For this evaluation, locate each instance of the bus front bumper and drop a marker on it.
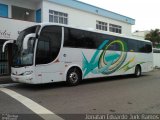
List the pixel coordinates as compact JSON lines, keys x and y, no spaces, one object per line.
{"x":29,"y":79}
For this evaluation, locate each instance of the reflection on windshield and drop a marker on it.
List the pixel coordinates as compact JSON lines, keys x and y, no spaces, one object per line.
{"x":27,"y":55}
{"x":23,"y":57}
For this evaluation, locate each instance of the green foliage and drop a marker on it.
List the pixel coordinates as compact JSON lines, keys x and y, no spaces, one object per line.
{"x":154,"y":37}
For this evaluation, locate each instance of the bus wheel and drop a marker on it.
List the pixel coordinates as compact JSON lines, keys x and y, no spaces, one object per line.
{"x":137,"y":71}
{"x":74,"y":76}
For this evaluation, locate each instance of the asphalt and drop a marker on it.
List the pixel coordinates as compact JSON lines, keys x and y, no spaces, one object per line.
{"x":110,"y":95}
{"x":120,"y":94}
{"x":5,"y":79}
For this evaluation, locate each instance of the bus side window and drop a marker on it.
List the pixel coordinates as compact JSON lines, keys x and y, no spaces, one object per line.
{"x":88,"y":40}
{"x":42,"y":52}
{"x":142,"y":48}
{"x":132,"y":45}
{"x":76,"y":38}
{"x":114,"y":47}
{"x":148,"y":47}
{"x":71,"y":38}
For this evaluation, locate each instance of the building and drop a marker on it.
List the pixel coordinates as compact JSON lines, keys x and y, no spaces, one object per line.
{"x":140,"y":34}
{"x":15,"y":15}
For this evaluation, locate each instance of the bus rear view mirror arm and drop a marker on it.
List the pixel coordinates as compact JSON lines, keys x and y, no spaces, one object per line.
{"x":7,"y":42}
{"x":27,"y":37}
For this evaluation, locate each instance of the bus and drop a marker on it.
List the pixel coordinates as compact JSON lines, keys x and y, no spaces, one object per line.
{"x":156,"y":50}
{"x":156,"y":58}
{"x":47,"y":53}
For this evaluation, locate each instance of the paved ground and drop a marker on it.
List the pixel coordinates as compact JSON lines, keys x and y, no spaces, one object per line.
{"x":121,"y":94}
{"x":5,"y":79}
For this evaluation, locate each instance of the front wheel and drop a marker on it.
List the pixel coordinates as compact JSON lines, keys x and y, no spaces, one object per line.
{"x":137,"y":71}
{"x":73,"y":77}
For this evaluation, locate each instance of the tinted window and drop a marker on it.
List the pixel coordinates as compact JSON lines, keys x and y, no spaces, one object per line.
{"x":79,"y":39}
{"x":25,"y":57}
{"x":139,"y":46}
{"x":148,"y":47}
{"x":132,"y":45}
{"x":117,"y":46}
{"x":49,"y":44}
{"x":114,"y":47}
{"x":144,"y":47}
{"x":84,"y":39}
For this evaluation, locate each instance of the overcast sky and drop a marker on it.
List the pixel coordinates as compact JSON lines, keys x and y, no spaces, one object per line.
{"x":145,"y":12}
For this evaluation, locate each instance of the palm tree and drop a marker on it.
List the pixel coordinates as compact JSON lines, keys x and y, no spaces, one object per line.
{"x":154,"y":37}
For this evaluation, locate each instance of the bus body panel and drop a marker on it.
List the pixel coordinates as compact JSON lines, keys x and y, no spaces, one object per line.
{"x":24,"y":75}
{"x":73,"y":59}
{"x":133,"y":58}
{"x":53,"y":71}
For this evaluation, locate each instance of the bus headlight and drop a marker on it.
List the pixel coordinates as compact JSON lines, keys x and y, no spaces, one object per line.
{"x":27,"y":72}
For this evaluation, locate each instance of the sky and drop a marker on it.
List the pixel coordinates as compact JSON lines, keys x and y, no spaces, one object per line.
{"x":145,"y":12}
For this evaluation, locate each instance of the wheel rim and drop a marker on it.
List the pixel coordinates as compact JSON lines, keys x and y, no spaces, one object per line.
{"x":73,"y":77}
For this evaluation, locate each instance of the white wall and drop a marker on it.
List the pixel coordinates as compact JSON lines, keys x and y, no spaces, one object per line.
{"x":19,"y":3}
{"x":140,"y":34}
{"x":80,"y":18}
{"x":156,"y":59}
{"x":10,"y":28}
{"x":38,"y":6}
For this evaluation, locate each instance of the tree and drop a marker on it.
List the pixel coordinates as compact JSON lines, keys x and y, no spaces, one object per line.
{"x":154,"y":37}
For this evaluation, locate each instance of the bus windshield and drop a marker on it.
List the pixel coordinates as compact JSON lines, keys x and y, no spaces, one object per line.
{"x":23,"y":57}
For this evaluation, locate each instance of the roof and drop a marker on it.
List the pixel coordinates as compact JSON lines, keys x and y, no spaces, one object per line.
{"x":95,"y":10}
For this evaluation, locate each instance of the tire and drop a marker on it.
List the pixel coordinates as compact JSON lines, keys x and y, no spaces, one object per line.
{"x":74,"y":76}
{"x":137,"y":71}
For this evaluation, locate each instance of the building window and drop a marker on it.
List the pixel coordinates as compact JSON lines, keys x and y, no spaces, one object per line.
{"x":25,"y":14}
{"x":115,"y":28}
{"x":101,"y":25}
{"x":58,"y":17}
{"x":3,"y":10}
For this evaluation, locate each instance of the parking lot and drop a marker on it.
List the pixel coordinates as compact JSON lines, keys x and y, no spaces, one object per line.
{"x":111,"y":95}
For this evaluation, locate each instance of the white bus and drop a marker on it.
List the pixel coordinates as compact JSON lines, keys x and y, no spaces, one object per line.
{"x":47,"y":53}
{"x":156,"y":58}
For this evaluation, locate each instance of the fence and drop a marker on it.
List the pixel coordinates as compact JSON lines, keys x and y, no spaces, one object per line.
{"x":3,"y":68}
{"x":3,"y":62}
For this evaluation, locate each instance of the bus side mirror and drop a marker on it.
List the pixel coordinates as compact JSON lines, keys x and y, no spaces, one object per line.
{"x":7,"y":42}
{"x":37,"y":36}
{"x":25,"y":41}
